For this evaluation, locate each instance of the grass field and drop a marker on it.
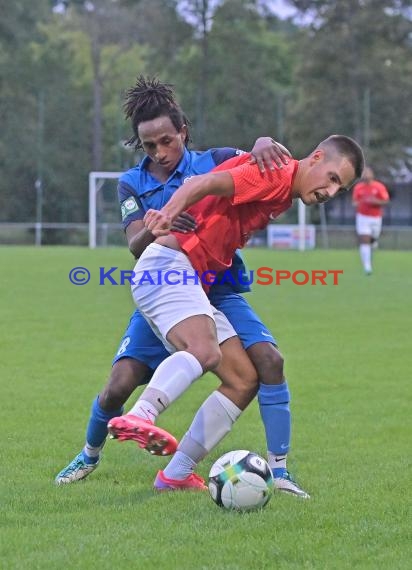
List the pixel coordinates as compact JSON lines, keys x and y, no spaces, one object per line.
{"x":348,"y":361}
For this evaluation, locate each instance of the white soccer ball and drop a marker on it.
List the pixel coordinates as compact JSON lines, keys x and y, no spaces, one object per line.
{"x":241,"y":480}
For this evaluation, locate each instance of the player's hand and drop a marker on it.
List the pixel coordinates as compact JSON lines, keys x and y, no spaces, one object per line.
{"x":157,"y":223}
{"x":267,"y":152}
{"x":184,"y":223}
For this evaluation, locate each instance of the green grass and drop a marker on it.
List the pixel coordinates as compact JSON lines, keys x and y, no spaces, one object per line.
{"x":348,"y":361}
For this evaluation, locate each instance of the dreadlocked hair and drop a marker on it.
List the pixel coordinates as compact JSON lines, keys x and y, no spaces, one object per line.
{"x":148,"y":100}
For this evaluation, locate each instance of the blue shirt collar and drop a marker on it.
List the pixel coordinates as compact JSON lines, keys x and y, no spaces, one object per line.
{"x":180,"y":168}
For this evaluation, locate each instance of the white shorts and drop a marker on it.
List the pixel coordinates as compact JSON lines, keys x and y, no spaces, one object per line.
{"x":368,"y":225}
{"x":163,"y":304}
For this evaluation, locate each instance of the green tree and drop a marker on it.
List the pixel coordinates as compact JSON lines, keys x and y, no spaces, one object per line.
{"x":356,"y":76}
{"x":249,"y":68}
{"x":18,"y":108}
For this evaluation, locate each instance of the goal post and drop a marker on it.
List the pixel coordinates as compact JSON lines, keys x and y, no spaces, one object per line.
{"x":302,"y":226}
{"x":96,"y":181}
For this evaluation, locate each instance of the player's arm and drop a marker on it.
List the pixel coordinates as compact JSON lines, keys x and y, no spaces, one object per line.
{"x":381,"y":198}
{"x":137,"y":235}
{"x":372,"y":200}
{"x":212,"y":184}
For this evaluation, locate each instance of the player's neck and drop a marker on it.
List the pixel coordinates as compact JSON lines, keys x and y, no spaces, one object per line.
{"x":158,"y":172}
{"x":297,"y":180}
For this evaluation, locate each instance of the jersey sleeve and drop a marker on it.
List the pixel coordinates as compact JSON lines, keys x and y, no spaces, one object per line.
{"x":219,"y":155}
{"x":383,"y":192}
{"x":130,"y":205}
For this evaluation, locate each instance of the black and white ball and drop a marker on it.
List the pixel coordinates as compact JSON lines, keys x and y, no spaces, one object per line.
{"x":241,"y":480}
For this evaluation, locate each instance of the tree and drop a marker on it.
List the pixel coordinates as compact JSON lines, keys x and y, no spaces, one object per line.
{"x":96,"y":19}
{"x":19,"y":107}
{"x":249,"y":67}
{"x":356,"y":76}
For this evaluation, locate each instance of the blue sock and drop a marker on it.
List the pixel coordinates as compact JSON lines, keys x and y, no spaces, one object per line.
{"x":279,"y":472}
{"x":97,"y":430}
{"x":275,"y":412}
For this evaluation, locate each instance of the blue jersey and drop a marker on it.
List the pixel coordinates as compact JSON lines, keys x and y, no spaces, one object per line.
{"x":139,"y":191}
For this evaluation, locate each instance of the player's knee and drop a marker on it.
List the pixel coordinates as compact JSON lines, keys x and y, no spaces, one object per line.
{"x":268,"y":362}
{"x":124,"y":378}
{"x":212,"y":359}
{"x":209,"y":355}
{"x":111,"y":398}
{"x":114,"y":396}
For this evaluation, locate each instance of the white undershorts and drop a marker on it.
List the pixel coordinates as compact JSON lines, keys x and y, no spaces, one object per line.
{"x":368,"y":225}
{"x":165,"y":305}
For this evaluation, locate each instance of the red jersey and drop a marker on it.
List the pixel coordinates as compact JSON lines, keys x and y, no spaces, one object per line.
{"x":364,"y":190}
{"x":225,"y":224}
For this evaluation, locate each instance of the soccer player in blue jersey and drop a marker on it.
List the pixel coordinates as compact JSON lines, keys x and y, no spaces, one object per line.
{"x":161,"y":129}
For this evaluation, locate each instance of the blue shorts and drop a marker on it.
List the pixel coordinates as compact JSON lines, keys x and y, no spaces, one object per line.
{"x":241,"y":316}
{"x":139,"y":341}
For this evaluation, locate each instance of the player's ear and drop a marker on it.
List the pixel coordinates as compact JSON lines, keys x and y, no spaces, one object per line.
{"x":183,"y":133}
{"x":316,"y":156}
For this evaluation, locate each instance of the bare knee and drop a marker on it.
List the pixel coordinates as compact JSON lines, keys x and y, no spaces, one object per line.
{"x":365,"y":239}
{"x":209,"y":355}
{"x":125,"y":376}
{"x":268,"y":362}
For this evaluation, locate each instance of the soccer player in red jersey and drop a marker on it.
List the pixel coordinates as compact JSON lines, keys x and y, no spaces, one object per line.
{"x":228,"y":204}
{"x":369,"y":196}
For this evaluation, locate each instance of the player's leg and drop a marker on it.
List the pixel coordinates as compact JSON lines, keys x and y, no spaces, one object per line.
{"x":273,"y":394}
{"x":365,"y":252}
{"x":364,"y":232}
{"x":198,"y":351}
{"x":213,"y":420}
{"x":182,"y":316}
{"x":376,"y":230}
{"x":140,"y":351}
{"x":196,"y":342}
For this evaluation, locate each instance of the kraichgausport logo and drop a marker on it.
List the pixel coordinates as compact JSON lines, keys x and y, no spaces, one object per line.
{"x":262,"y":276}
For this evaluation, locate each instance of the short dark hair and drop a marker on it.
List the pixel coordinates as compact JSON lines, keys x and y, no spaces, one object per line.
{"x":149,"y":99}
{"x":347,"y":147}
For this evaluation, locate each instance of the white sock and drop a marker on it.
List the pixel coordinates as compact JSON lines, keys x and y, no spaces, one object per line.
{"x":212,"y":422}
{"x":144,"y":409}
{"x":276,"y":461}
{"x":365,"y":252}
{"x":181,"y":468}
{"x":93,"y":452}
{"x":171,"y":378}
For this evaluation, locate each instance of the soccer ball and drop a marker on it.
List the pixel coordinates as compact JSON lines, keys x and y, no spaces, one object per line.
{"x":241,"y":480}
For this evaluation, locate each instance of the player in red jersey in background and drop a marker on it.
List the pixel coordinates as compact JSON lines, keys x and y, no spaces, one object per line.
{"x":369,"y":196}
{"x":228,"y":204}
